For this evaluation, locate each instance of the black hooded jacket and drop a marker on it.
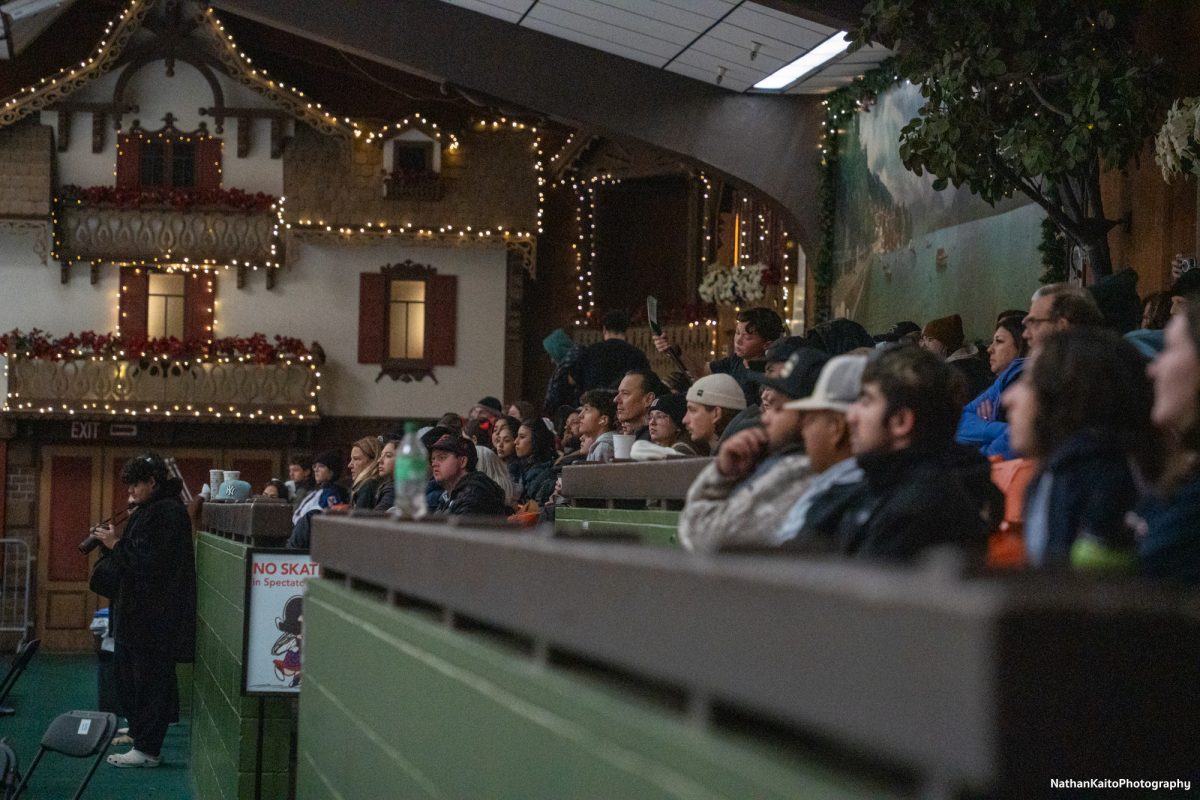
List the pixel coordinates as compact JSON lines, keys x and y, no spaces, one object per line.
{"x":476,"y":493}
{"x":154,"y":571}
{"x":909,"y":501}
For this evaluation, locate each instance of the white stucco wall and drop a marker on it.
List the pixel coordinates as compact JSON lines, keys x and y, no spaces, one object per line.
{"x":33,"y":295}
{"x":182,"y":95}
{"x":317,"y":299}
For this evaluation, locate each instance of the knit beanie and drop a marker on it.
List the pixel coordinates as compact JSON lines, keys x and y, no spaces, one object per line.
{"x":673,"y":405}
{"x":947,"y":330}
{"x":333,"y":460}
{"x":557,"y":345}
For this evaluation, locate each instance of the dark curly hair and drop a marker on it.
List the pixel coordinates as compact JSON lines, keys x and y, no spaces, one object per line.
{"x":763,"y":321}
{"x":909,"y":377}
{"x":147,"y":466}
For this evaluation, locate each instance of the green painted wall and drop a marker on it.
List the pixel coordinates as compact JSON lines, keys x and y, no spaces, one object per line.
{"x":654,"y":527}
{"x":395,"y":705}
{"x":225,"y":724}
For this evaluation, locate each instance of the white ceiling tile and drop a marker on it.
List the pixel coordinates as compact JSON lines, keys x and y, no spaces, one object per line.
{"x":606,"y":23}
{"x":678,"y":15}
{"x":598,"y":42}
{"x":779,"y":24}
{"x":507,"y":10}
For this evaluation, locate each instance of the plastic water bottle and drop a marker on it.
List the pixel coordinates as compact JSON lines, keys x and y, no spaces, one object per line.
{"x":411,"y":474}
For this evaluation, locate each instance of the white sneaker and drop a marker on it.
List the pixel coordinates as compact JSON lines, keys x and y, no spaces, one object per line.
{"x":134,"y":758}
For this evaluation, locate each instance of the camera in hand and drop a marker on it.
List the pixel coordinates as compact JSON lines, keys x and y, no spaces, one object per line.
{"x":89,"y":544}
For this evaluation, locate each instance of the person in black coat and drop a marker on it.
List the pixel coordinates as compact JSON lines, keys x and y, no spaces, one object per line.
{"x":452,"y":461}
{"x":152,"y":566}
{"x":920,"y":489}
{"x":603,"y":364}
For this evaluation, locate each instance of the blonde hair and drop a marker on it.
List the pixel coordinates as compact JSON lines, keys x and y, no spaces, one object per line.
{"x":371,"y":449}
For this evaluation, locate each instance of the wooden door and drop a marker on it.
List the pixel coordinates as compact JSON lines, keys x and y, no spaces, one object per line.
{"x":70,"y":501}
{"x":81,"y":486}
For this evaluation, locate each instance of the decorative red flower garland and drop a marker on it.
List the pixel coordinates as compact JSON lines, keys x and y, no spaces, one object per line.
{"x":254,"y":349}
{"x":128,"y":198}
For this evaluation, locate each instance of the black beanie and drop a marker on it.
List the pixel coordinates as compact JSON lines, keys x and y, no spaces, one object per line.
{"x":333,"y":460}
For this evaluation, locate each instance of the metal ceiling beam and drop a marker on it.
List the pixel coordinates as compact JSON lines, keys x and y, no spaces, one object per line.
{"x":766,"y":141}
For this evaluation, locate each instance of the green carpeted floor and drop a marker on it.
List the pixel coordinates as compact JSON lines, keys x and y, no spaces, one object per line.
{"x":54,"y":684}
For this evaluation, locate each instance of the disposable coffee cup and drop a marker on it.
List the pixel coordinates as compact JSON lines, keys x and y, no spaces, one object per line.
{"x":623,"y":445}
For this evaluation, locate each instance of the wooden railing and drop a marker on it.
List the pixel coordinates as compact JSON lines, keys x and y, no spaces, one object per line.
{"x":116,"y":234}
{"x":209,"y":391}
{"x":695,"y":340}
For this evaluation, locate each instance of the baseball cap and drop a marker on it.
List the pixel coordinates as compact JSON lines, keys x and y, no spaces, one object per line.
{"x":718,"y":389}
{"x":798,"y":376}
{"x":837,"y":386}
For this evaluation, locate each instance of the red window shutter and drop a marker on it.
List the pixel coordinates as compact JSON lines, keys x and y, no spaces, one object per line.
{"x":208,"y":164}
{"x":135,"y":298}
{"x":198,"y":295}
{"x":129,"y":161}
{"x":441,"y":320}
{"x":372,"y":318}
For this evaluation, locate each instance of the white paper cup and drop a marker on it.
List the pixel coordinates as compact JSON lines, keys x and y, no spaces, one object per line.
{"x":622,"y":445}
{"x":232,"y":475}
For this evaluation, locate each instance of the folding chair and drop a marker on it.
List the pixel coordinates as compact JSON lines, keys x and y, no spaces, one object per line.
{"x":10,"y":775}
{"x":78,"y":734}
{"x":21,"y":659}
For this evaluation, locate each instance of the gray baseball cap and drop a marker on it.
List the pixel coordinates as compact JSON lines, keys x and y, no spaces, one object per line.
{"x":837,"y":386}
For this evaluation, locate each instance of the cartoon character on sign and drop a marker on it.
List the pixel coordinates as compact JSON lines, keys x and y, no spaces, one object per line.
{"x":291,"y":627}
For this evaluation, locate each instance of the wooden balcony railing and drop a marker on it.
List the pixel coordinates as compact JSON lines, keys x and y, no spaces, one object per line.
{"x":98,"y":232}
{"x":693,"y":339}
{"x":197,"y":391}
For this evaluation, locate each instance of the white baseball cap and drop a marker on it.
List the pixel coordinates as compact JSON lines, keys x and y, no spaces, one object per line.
{"x":837,"y":386}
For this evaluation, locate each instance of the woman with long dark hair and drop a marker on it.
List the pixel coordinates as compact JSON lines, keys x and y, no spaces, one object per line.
{"x":1082,"y":408}
{"x":533,"y":471}
{"x":983,"y":422}
{"x":1170,"y":548}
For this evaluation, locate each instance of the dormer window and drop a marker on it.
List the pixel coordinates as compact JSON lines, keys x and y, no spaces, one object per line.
{"x":412,"y":166}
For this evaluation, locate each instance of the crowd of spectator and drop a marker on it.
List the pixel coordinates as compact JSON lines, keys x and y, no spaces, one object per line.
{"x":1065,"y":431}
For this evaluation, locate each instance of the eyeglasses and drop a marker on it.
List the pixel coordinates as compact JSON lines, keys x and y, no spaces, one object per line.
{"x":1029,"y":322}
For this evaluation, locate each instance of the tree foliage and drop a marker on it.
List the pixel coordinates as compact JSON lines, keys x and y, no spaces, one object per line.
{"x":1027,"y":96}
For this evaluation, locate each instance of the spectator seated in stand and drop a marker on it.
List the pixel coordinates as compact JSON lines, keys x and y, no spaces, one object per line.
{"x":666,"y":430}
{"x":533,"y":473}
{"x":300,"y":480}
{"x":597,"y":421}
{"x":775,"y":357}
{"x":504,"y":435}
{"x":1169,"y":548}
{"x":712,"y":402}
{"x":637,"y":390}
{"x":983,"y":422}
{"x":364,"y":472}
{"x":920,"y":488}
{"x":944,"y":338}
{"x":326,"y":469}
{"x":1082,"y":407}
{"x":742,"y":496}
{"x":452,"y":463}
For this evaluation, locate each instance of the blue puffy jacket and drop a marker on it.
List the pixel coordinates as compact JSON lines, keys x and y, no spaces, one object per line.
{"x":990,"y":436}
